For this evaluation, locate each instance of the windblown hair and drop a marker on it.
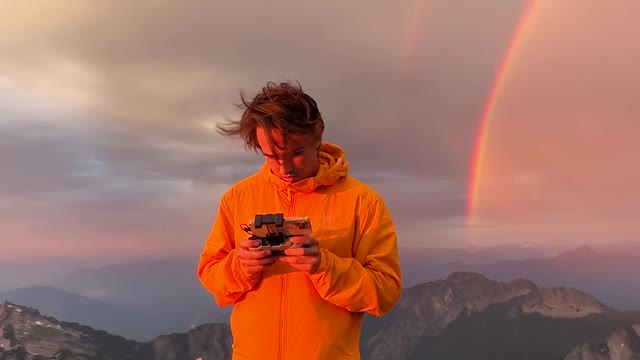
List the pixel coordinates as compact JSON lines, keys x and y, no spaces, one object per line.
{"x":281,"y":107}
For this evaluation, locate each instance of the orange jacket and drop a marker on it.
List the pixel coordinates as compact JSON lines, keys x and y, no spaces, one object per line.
{"x":284,"y":313}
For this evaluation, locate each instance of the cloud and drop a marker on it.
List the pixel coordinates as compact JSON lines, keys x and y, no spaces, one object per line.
{"x":104,"y":59}
{"x":85,"y":185}
{"x":107,"y":111}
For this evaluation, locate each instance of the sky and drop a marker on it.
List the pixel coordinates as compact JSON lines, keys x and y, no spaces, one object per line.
{"x":108,"y":108}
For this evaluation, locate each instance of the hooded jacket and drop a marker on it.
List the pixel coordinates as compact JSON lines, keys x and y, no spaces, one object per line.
{"x":284,"y":313}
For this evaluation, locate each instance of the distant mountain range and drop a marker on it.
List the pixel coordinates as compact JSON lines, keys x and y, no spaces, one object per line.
{"x":140,"y":300}
{"x":608,"y":276}
{"x":80,"y":309}
{"x":464,"y":316}
{"x":145,"y":299}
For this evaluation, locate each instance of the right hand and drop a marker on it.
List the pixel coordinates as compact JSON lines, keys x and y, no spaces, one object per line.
{"x":254,"y":261}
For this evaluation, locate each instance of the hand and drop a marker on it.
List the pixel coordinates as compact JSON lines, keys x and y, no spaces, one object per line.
{"x":254,"y":261}
{"x":305,"y":258}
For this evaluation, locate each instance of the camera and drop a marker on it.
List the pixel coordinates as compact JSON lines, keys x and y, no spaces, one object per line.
{"x":274,"y":231}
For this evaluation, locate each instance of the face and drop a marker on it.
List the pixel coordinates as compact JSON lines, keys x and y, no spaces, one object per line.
{"x":297,"y":162}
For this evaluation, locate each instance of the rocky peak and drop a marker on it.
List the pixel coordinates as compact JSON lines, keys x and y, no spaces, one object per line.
{"x":428,"y":309}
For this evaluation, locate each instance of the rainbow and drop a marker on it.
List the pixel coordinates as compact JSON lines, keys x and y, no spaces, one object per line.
{"x":417,"y":21}
{"x":478,"y":158}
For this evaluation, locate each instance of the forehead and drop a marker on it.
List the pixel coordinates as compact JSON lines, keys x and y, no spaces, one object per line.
{"x":294,"y":141}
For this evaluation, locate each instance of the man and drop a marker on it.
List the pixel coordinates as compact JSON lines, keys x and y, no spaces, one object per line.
{"x":310,"y":303}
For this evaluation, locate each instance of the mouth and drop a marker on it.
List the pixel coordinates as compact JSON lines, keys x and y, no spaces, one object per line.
{"x":288,"y":178}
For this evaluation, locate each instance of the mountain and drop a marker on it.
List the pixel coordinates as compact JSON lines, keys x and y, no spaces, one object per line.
{"x":25,"y":334}
{"x":167,"y":291}
{"x":464,"y":316}
{"x":469,"y":316}
{"x":621,"y":345}
{"x":581,"y":253}
{"x":422,"y":264}
{"x":38,"y":270}
{"x":609,"y":276}
{"x":80,"y":309}
{"x":470,"y":254}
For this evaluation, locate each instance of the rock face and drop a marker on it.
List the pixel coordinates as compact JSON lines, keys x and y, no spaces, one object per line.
{"x":27,"y":335}
{"x":427,"y":309}
{"x":210,"y":341}
{"x":621,"y":345}
{"x":563,"y":302}
{"x":24,"y":328}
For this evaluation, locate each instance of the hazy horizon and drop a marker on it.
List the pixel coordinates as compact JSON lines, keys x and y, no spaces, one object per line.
{"x":42,"y":270}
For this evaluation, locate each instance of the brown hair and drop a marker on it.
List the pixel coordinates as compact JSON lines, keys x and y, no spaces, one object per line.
{"x":282,"y":107}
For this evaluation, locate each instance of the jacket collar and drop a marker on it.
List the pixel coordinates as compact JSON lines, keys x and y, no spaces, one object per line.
{"x":333,"y":166}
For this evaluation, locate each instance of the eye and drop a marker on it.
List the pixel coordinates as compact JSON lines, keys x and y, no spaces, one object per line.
{"x":272,"y":158}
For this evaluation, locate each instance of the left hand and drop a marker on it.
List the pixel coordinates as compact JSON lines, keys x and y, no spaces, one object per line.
{"x":305,"y":258}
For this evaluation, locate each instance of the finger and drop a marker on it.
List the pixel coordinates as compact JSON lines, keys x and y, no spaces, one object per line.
{"x":298,"y":259}
{"x":256,"y":269}
{"x":258,"y":262}
{"x":304,"y":240}
{"x":246,"y":243}
{"x":302,"y":267}
{"x":303,"y":251}
{"x":253,"y":254}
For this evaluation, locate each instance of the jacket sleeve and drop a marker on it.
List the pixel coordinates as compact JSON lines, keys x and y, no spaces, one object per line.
{"x":371,"y":281}
{"x":219,"y":268}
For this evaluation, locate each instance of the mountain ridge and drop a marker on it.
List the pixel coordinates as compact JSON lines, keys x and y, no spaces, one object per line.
{"x":429,"y":320}
{"x":26,"y":334}
{"x":427,"y":309}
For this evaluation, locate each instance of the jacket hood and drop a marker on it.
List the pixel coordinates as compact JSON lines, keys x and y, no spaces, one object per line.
{"x":333,"y":166}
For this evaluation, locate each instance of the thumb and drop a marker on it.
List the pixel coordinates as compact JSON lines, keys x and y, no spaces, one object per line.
{"x":298,"y":239}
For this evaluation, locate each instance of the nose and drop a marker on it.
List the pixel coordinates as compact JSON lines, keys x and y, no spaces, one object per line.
{"x":286,"y":165}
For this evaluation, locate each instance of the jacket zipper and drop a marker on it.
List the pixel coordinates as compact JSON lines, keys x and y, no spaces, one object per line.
{"x":284,"y":304}
{"x":281,"y":351}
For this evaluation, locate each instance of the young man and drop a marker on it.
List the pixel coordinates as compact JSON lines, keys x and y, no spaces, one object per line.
{"x":310,"y":303}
